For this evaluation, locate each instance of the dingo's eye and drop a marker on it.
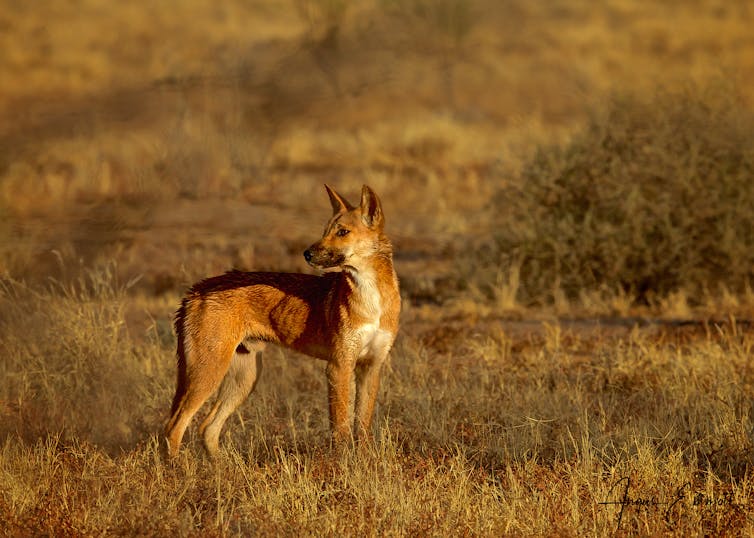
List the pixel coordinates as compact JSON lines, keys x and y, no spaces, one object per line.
{"x":342,"y":232}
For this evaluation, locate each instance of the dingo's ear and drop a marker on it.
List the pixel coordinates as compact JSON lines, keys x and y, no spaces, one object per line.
{"x":339,"y":203}
{"x":371,"y":209}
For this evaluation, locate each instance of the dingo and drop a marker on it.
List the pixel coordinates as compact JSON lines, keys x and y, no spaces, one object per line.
{"x":348,"y":318}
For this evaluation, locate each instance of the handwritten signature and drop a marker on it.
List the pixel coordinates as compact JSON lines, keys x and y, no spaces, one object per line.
{"x":680,"y":498}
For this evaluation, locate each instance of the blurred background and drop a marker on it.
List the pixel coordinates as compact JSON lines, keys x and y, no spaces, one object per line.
{"x":527,"y":153}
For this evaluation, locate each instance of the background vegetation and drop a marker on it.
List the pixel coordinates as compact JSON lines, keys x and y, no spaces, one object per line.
{"x":568,"y":188}
{"x":653,"y":197}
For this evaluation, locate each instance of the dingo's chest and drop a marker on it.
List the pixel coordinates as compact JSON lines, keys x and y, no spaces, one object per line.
{"x":373,"y":340}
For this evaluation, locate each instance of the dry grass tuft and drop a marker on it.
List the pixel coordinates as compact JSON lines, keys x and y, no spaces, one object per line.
{"x":71,"y":368}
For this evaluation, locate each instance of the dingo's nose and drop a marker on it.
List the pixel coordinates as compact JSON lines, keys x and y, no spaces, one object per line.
{"x":308,"y":255}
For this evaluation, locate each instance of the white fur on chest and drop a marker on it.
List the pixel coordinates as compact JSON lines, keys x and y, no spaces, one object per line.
{"x":367,"y":302}
{"x":372,"y":339}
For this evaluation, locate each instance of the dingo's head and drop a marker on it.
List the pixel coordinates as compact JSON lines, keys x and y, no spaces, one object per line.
{"x":352,"y":235}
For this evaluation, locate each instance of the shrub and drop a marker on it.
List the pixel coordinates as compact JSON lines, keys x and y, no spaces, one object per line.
{"x":655,"y":196}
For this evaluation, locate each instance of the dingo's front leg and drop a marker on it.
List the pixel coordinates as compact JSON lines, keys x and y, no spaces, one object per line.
{"x":341,"y":391}
{"x":367,"y":386}
{"x":368,"y":372}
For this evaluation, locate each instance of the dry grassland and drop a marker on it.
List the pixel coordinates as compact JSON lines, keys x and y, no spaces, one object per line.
{"x":569,"y":189}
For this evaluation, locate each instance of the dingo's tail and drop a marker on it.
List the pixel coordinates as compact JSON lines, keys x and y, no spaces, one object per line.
{"x":181,"y":382}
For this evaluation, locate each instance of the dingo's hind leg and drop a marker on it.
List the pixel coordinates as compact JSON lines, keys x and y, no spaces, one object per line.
{"x":202,"y":377}
{"x":238,"y":383}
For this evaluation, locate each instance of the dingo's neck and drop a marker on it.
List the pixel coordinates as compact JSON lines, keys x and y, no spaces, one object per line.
{"x":370,"y":283}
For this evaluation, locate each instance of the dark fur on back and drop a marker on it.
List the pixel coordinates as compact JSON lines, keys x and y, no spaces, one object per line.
{"x":240,"y":279}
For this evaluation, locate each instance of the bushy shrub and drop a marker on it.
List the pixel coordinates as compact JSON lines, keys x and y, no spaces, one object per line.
{"x":656,"y":195}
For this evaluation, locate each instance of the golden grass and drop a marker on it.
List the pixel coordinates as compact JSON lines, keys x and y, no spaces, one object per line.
{"x":509,"y":428}
{"x":144,"y":148}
